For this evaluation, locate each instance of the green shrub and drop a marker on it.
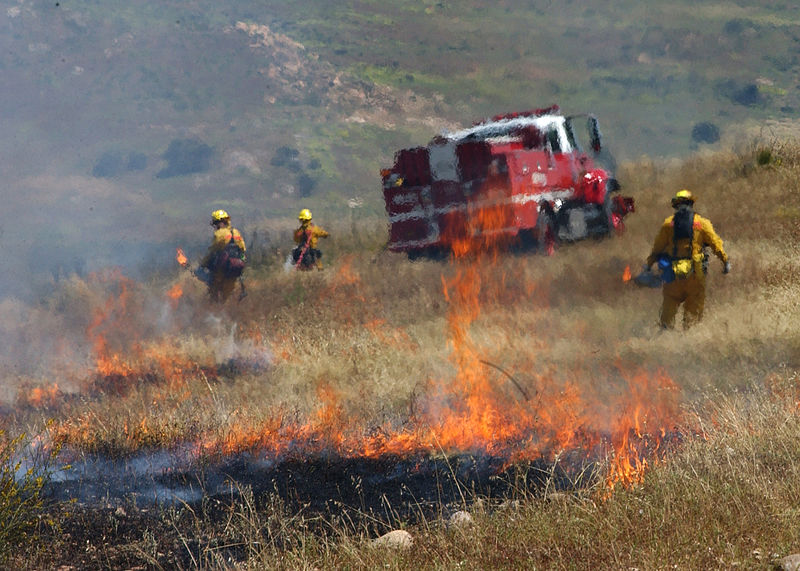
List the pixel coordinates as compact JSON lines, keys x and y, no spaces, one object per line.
{"x":20,"y":493}
{"x":186,"y":156}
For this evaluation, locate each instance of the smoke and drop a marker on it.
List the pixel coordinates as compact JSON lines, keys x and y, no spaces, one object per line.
{"x":94,"y":479}
{"x":109,"y":324}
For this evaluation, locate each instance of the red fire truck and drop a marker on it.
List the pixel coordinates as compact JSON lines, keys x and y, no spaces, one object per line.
{"x":521,"y":177}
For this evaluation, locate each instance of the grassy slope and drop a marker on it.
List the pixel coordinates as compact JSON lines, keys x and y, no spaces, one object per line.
{"x":649,"y":72}
{"x":367,"y":79}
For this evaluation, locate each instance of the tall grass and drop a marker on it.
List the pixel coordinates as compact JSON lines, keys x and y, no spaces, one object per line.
{"x":373,"y":330}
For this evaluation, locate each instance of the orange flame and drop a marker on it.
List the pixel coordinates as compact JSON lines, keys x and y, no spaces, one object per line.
{"x":626,"y":275}
{"x":44,"y":397}
{"x":181,"y":257}
{"x":175,"y":292}
{"x":625,"y":422}
{"x":121,"y":353}
{"x":106,"y":320}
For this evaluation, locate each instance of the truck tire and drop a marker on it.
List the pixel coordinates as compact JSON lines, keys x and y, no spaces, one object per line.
{"x":526,"y":240}
{"x":434,"y":253}
{"x":546,"y":233}
{"x":602,"y":217}
{"x":607,"y":214}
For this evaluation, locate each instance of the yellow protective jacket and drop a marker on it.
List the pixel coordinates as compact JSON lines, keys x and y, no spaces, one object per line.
{"x":310,"y":234}
{"x":222,"y":236}
{"x":704,"y":236}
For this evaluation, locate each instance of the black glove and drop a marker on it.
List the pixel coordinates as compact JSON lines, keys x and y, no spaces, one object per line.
{"x":726,"y":269}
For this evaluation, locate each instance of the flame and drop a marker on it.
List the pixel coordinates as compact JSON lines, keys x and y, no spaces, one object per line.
{"x":346,"y":282}
{"x":345,"y":275}
{"x":175,"y":292}
{"x":109,"y":318}
{"x":44,"y":397}
{"x":626,"y":275}
{"x":623,"y":419}
{"x":484,"y":227}
{"x":391,"y":337}
{"x":181,"y":257}
{"x":648,"y":412}
{"x":625,"y":423}
{"x":122,"y":355}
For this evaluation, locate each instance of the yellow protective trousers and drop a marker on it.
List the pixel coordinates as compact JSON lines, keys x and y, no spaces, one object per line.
{"x":691,"y":292}
{"x":221,"y":287}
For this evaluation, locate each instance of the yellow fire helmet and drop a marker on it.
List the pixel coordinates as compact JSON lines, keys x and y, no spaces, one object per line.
{"x":305,"y":215}
{"x":219,"y":216}
{"x":683,"y":196}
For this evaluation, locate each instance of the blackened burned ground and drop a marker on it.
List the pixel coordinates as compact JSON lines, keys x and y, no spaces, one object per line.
{"x":167,"y":510}
{"x":124,"y":515}
{"x":405,"y":487}
{"x":162,"y":510}
{"x":121,"y":515}
{"x":390,"y":487}
{"x":387,"y":486}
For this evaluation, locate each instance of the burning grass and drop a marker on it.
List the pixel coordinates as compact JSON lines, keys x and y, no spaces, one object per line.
{"x":383,"y":393}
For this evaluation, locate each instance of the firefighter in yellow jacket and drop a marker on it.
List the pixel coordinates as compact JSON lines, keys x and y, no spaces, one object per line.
{"x":225,"y":259}
{"x":306,"y":255}
{"x":679,"y":248}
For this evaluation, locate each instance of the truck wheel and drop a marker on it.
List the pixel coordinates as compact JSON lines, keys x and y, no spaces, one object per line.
{"x":607,"y":215}
{"x":546,"y":234}
{"x":527,"y":240}
{"x":435,"y":253}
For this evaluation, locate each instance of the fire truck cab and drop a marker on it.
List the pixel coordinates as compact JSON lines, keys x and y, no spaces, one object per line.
{"x":525,"y":173}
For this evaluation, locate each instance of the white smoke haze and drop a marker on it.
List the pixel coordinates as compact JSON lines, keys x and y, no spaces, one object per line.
{"x":88,"y":256}
{"x":82,"y":81}
{"x":63,"y":339}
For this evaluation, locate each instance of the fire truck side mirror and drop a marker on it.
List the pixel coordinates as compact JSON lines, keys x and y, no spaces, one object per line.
{"x":594,"y":134}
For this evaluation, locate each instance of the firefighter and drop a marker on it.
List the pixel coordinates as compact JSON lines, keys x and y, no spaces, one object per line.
{"x":225,"y":259}
{"x":680,"y":245}
{"x":306,"y":255}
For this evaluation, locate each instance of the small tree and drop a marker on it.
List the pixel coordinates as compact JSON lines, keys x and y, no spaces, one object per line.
{"x":305,"y":185}
{"x":705,"y":132}
{"x":186,"y":156}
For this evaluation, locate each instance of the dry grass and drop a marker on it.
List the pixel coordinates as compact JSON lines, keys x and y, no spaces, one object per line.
{"x":374,"y":334}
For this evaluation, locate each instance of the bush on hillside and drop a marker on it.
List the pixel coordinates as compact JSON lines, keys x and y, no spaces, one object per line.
{"x":305,"y":185}
{"x":186,"y":156}
{"x":748,"y":95}
{"x":286,"y":157}
{"x":705,"y":132}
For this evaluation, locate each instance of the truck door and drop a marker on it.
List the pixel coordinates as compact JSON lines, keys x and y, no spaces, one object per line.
{"x":562,"y":175}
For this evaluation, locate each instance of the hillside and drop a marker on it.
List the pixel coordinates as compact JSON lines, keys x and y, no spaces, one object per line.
{"x":121,"y":118}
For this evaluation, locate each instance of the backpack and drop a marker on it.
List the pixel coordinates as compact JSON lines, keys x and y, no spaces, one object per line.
{"x":684,"y":222}
{"x":683,"y":228}
{"x":231,"y":259}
